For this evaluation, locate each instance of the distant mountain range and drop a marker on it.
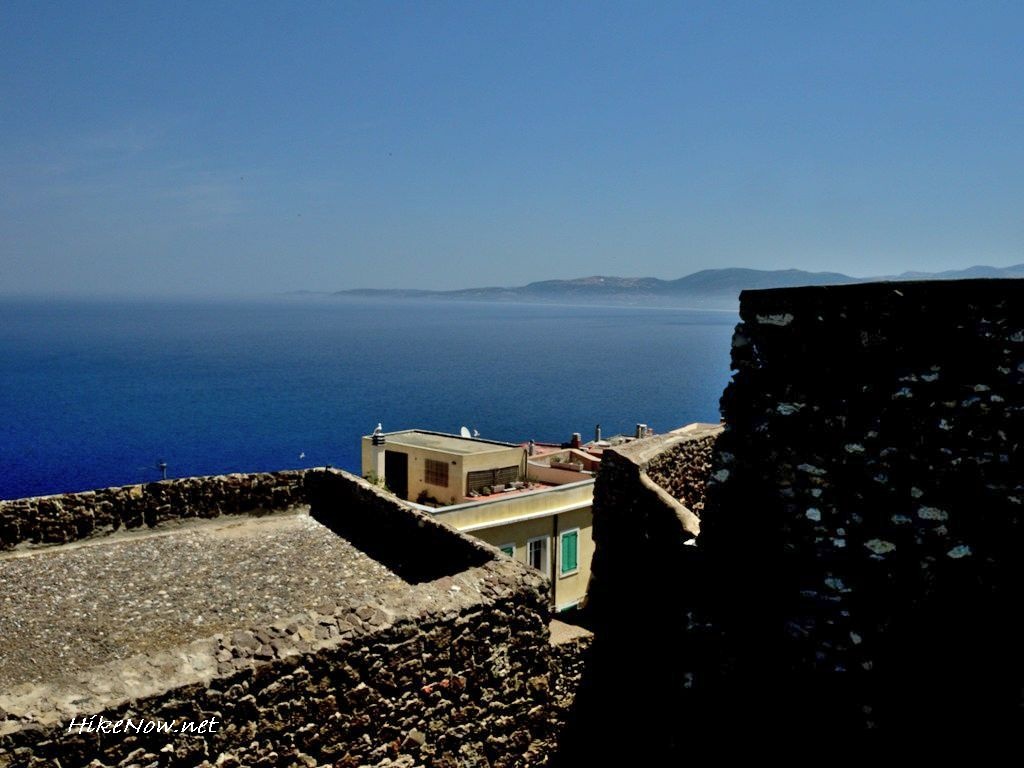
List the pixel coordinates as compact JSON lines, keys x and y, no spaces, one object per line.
{"x":707,"y":289}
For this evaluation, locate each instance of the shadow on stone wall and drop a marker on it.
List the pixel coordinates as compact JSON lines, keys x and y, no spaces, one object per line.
{"x":408,"y":542}
{"x":639,"y":605}
{"x":859,"y":562}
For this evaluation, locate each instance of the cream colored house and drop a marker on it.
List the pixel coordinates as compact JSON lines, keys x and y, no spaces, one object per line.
{"x":550,"y":528}
{"x":494,"y":491}
{"x":421,"y":466}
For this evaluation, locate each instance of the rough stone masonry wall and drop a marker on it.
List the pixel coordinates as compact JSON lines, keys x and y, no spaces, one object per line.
{"x":859,"y":564}
{"x":466,"y":689}
{"x":862,"y":545}
{"x":644,"y":529}
{"x":682,"y":467}
{"x":469,"y":682}
{"x":645,"y":498}
{"x":68,"y":517}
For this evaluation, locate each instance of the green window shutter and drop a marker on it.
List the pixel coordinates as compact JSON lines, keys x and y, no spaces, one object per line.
{"x":510,"y":551}
{"x":570,"y":549}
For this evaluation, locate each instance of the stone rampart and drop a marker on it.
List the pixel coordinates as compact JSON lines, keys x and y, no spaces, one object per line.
{"x":858,"y":565}
{"x":865,"y":517}
{"x":62,"y":518}
{"x":399,"y":643}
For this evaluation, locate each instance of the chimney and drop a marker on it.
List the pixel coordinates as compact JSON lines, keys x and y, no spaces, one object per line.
{"x":597,"y":434}
{"x":378,"y":441}
{"x":641,"y":430}
{"x":576,"y":440}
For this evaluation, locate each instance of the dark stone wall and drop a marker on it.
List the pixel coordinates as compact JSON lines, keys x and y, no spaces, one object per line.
{"x":645,"y":495}
{"x":568,"y":662}
{"x":859,"y":561}
{"x":71,"y":516}
{"x":627,"y":709}
{"x":863,"y":530}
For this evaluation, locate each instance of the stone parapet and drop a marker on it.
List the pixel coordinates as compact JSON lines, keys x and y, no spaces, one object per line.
{"x":359,"y":632}
{"x":62,"y":518}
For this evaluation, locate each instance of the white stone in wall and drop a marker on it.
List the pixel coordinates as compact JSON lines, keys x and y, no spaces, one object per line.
{"x":880,"y":546}
{"x":780,"y":320}
{"x":812,"y":470}
{"x":837,"y":584}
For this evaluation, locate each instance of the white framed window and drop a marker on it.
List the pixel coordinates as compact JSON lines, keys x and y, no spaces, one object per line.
{"x":508,"y":549}
{"x":569,"y":552}
{"x":537,"y":554}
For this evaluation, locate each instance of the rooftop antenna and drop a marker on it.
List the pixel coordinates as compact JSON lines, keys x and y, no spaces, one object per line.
{"x":464,"y":431}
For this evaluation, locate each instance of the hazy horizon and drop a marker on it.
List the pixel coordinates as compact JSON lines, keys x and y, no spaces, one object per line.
{"x":331,"y":292}
{"x":249,"y":149}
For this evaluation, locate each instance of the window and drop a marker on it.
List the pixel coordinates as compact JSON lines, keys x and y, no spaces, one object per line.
{"x":435,"y":472}
{"x":508,"y":549}
{"x":537,"y":553}
{"x":569,"y":552}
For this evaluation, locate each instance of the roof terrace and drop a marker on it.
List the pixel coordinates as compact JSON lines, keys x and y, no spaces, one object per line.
{"x":439,"y":441}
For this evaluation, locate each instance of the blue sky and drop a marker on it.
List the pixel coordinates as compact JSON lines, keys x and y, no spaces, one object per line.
{"x":206,"y":148}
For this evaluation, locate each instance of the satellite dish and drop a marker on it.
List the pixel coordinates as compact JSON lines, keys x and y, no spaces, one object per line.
{"x":464,"y":431}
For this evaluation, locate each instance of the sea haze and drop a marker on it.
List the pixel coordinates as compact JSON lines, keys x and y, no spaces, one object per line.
{"x":95,"y":393}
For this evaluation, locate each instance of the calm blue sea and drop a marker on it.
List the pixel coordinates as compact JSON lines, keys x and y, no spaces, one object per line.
{"x":95,"y":393}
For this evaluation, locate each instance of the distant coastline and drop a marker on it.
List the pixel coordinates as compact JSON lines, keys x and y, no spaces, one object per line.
{"x":706,"y":289}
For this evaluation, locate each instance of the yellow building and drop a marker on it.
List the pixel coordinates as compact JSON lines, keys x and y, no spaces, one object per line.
{"x":550,"y":528}
{"x":444,"y":469}
{"x":493,"y":491}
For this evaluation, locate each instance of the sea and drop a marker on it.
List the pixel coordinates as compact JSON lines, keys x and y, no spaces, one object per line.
{"x":95,"y":393}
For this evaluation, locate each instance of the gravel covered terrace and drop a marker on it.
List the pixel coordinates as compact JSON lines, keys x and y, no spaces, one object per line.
{"x":73,"y":607}
{"x":94,"y":623}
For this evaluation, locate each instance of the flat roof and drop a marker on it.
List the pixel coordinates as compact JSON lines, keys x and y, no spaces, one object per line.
{"x":439,"y":441}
